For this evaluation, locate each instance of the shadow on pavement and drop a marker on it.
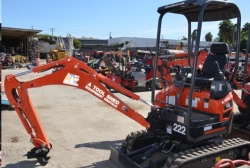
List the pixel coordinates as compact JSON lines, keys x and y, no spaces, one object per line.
{"x":23,"y":164}
{"x":101,"y":164}
{"x":98,"y":145}
{"x":7,"y":108}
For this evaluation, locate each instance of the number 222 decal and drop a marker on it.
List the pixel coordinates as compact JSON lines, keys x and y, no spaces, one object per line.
{"x":179,"y":128}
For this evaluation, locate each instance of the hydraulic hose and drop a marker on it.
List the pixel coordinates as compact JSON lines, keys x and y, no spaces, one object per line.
{"x":225,"y":163}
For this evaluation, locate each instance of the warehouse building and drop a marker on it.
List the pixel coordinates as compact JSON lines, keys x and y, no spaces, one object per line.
{"x":17,"y":40}
{"x":91,"y":44}
{"x":134,"y":43}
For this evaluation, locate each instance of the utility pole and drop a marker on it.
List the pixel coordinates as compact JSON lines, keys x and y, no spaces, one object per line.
{"x":52,"y":29}
{"x":110,"y":37}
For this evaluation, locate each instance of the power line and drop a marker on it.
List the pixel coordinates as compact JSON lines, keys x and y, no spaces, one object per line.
{"x":90,"y":33}
{"x":86,"y":31}
{"x":73,"y":30}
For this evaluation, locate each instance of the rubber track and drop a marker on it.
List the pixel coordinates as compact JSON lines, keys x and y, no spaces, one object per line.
{"x":132,"y":137}
{"x":179,"y":159}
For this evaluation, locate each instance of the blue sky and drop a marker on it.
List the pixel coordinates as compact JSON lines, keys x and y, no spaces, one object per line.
{"x":97,"y":18}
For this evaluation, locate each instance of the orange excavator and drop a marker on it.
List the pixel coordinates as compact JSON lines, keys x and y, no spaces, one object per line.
{"x":167,"y":63}
{"x":245,"y":64}
{"x":191,"y":119}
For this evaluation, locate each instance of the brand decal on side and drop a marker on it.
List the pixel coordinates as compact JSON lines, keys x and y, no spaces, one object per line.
{"x":112,"y":101}
{"x":226,"y":99}
{"x":95,"y":90}
{"x":71,"y":79}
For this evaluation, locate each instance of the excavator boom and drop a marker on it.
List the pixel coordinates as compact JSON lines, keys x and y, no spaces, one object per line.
{"x":69,"y":72}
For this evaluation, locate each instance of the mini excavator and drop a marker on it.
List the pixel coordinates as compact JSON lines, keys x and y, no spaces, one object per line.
{"x":191,"y":118}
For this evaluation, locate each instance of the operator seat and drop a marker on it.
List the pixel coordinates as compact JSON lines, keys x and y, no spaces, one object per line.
{"x":217,"y":53}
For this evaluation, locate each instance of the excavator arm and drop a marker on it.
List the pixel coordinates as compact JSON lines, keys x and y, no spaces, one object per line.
{"x":69,"y":72}
{"x":119,"y":53}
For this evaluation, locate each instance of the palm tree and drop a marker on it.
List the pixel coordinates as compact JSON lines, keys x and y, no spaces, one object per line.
{"x":226,"y":30}
{"x":209,"y":36}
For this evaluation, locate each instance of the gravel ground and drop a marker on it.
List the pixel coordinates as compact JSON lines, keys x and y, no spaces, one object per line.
{"x":79,"y":126}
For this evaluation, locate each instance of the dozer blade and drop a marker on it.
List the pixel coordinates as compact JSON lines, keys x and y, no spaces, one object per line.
{"x":118,"y":158}
{"x":135,"y":160}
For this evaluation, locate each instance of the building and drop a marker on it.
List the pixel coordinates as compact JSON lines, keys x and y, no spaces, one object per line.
{"x":133,"y":41}
{"x":17,"y":40}
{"x":88,"y":44}
{"x":150,"y":43}
{"x":91,"y":44}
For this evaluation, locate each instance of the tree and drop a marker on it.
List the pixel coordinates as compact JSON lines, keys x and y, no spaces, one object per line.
{"x":246,"y":27}
{"x":184,"y":38}
{"x":194,"y":35}
{"x":226,"y":31}
{"x":47,"y":36}
{"x":118,"y":45}
{"x":244,"y":38}
{"x":126,"y":42}
{"x":217,"y":39}
{"x":77,"y":44}
{"x":209,"y":36}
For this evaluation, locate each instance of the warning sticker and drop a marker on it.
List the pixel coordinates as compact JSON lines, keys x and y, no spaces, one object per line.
{"x":194,"y":101}
{"x":71,"y":79}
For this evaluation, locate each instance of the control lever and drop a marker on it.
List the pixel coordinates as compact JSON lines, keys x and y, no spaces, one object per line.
{"x":219,"y":76}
